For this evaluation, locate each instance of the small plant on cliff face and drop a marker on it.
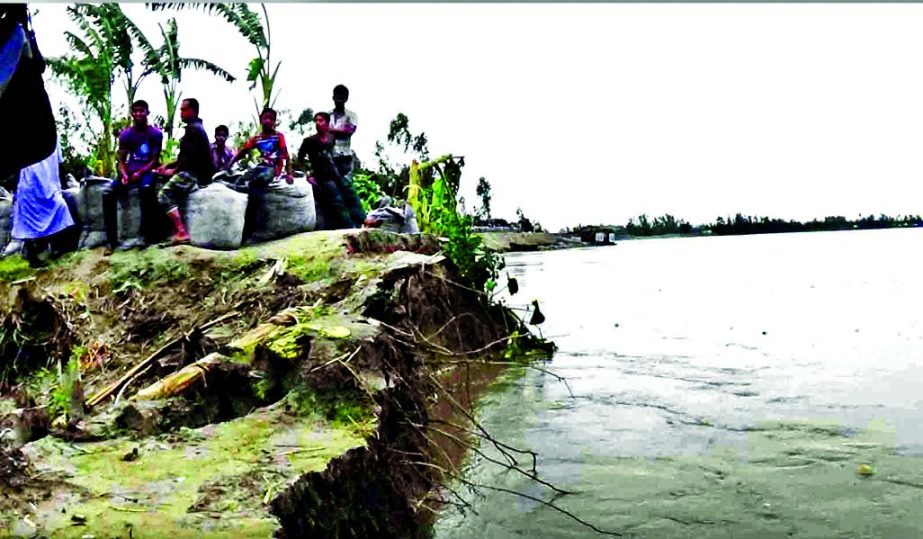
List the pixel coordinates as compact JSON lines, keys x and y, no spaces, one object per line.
{"x":54,"y":388}
{"x":512,"y":347}
{"x":340,"y":410}
{"x":40,"y":385}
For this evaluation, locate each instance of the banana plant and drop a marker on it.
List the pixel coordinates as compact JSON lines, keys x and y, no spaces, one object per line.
{"x":99,"y":53}
{"x":422,"y":198}
{"x":255,"y":29}
{"x":166,"y":63}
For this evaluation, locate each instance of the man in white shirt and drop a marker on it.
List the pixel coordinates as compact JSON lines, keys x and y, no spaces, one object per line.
{"x":342,"y":126}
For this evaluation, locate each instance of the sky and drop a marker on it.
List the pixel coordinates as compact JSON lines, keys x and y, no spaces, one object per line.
{"x":595,"y":113}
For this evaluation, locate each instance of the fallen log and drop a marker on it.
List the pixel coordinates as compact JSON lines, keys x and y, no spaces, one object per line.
{"x":115,"y":386}
{"x":182,"y":380}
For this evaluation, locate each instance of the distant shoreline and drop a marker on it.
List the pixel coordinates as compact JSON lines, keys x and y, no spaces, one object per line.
{"x":511,"y":242}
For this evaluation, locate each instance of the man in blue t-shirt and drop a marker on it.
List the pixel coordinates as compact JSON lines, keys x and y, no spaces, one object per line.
{"x":139,"y":155}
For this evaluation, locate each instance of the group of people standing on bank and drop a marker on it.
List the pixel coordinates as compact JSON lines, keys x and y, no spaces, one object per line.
{"x":140,"y":145}
{"x":41,"y":213}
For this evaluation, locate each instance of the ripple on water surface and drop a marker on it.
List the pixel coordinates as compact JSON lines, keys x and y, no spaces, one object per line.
{"x":724,"y":387}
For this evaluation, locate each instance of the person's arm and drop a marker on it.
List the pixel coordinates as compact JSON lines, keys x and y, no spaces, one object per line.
{"x":286,"y":160}
{"x":303,"y":150}
{"x":166,"y":169}
{"x":347,"y":129}
{"x":171,"y":168}
{"x":62,"y":175}
{"x":122,"y":155}
{"x":240,"y":153}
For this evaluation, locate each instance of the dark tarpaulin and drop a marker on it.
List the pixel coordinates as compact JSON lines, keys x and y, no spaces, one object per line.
{"x":27,"y":128}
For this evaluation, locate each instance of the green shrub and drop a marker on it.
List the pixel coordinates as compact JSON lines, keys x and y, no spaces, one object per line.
{"x":140,"y":269}
{"x":367,"y":189}
{"x":13,"y":268}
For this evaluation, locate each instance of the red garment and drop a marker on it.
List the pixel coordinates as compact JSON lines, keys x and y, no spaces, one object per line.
{"x":272,"y":147}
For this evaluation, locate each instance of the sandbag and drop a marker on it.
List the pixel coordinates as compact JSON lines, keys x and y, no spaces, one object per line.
{"x":94,"y":225}
{"x":74,"y":198}
{"x":393,"y":218}
{"x":6,"y":214}
{"x":280,"y":210}
{"x":410,"y":226}
{"x":129,"y":215}
{"x":215,"y":217}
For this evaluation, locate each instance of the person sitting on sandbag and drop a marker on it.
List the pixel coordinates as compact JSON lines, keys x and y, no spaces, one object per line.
{"x":221,"y":152}
{"x":273,"y":154}
{"x":193,"y":168}
{"x":23,"y":100}
{"x":139,"y":154}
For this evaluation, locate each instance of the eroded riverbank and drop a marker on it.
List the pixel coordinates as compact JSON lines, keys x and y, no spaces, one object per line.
{"x":281,"y":390}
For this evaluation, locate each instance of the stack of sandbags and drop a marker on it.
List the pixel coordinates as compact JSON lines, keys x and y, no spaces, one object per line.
{"x":280,"y":210}
{"x":94,"y":226}
{"x":215,"y":217}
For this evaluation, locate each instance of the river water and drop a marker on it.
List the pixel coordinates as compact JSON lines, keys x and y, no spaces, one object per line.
{"x":722,"y":387}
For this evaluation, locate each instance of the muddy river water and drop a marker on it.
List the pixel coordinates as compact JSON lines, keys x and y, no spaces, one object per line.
{"x":752,"y":386}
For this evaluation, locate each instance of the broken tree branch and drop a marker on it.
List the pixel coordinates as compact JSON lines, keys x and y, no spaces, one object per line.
{"x":115,"y":386}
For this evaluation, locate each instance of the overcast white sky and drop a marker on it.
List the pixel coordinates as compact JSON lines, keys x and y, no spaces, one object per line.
{"x":596,"y":113}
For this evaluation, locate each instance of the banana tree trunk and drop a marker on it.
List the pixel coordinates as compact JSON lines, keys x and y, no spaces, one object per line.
{"x":171,"y":113}
{"x":105,"y":149}
{"x":419,"y":203}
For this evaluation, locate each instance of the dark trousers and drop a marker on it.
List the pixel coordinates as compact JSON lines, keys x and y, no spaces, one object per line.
{"x":330,"y":201}
{"x":149,"y":209}
{"x":344,"y":182}
{"x":253,"y":183}
{"x":68,"y":239}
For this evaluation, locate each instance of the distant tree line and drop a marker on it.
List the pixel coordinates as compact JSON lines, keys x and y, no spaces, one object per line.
{"x":658,"y":226}
{"x":743,"y":224}
{"x":644,"y":226}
